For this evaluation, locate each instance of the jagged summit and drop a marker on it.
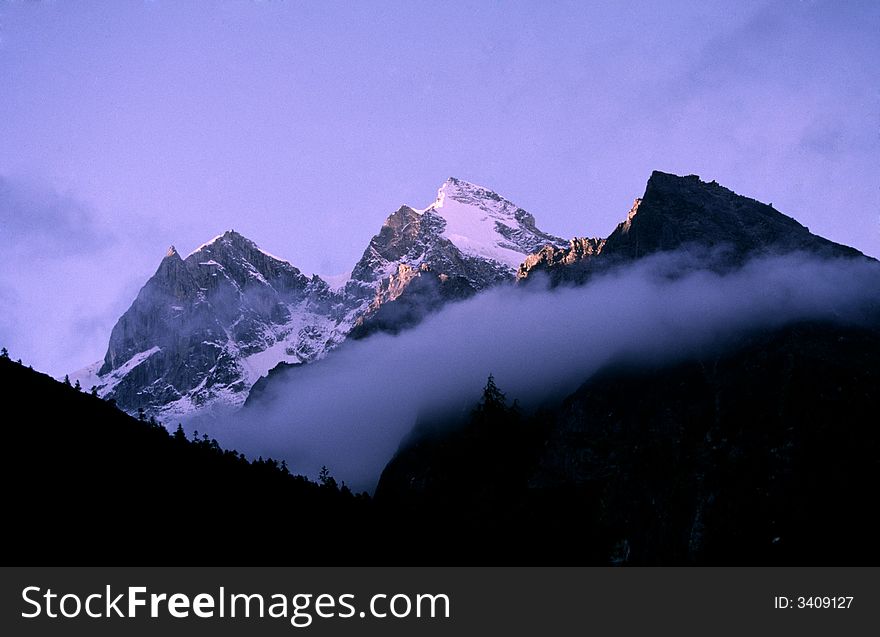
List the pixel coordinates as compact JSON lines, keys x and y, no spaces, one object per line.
{"x":466,"y":227}
{"x":229,"y":239}
{"x":483,"y":224}
{"x":461,"y":189}
{"x":469,"y":238}
{"x":206,"y":327}
{"x":456,"y":185}
{"x":478,"y":197}
{"x":683,"y":212}
{"x":676,"y":211}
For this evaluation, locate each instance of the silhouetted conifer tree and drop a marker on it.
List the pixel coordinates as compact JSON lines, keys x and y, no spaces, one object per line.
{"x":326,"y":479}
{"x":493,"y":399}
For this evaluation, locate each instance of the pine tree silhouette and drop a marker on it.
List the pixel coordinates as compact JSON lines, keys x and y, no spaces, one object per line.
{"x":326,"y":480}
{"x":493,"y":399}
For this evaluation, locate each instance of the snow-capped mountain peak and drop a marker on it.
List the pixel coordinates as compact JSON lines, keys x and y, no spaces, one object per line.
{"x":468,"y":231}
{"x":203,"y":329}
{"x":206,"y":327}
{"x":231,"y":240}
{"x":483,"y":224}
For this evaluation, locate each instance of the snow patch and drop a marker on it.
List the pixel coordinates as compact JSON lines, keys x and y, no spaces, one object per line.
{"x":88,"y":376}
{"x":472,"y":214}
{"x":134,"y":361}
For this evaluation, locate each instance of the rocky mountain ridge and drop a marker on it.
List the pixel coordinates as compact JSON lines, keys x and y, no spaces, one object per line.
{"x":684,"y":213}
{"x":205,"y":328}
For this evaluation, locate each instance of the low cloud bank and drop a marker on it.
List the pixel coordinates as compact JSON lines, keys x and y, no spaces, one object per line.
{"x":351,"y":410}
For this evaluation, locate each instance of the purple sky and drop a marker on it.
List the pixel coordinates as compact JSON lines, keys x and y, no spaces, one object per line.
{"x":129,"y":126}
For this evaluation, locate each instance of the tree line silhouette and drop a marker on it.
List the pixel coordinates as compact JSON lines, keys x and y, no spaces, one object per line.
{"x":88,"y":482}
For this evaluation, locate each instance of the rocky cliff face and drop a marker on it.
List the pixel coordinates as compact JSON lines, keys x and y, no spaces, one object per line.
{"x":684,"y":213}
{"x":551,"y":257}
{"x":467,"y":240}
{"x":205,"y":328}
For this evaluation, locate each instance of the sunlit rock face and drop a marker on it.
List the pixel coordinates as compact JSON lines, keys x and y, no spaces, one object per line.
{"x":467,"y":240}
{"x":551,"y":256}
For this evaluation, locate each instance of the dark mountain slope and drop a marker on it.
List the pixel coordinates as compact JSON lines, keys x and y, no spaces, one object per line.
{"x":766,"y":454}
{"x":678,"y":213}
{"x":86,"y":483}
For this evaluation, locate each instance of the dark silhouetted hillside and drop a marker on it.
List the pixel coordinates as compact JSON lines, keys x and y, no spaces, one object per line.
{"x":86,"y":483}
{"x":766,"y":454}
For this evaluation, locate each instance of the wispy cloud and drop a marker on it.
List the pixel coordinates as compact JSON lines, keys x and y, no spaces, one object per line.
{"x":38,"y":220}
{"x":351,"y":410}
